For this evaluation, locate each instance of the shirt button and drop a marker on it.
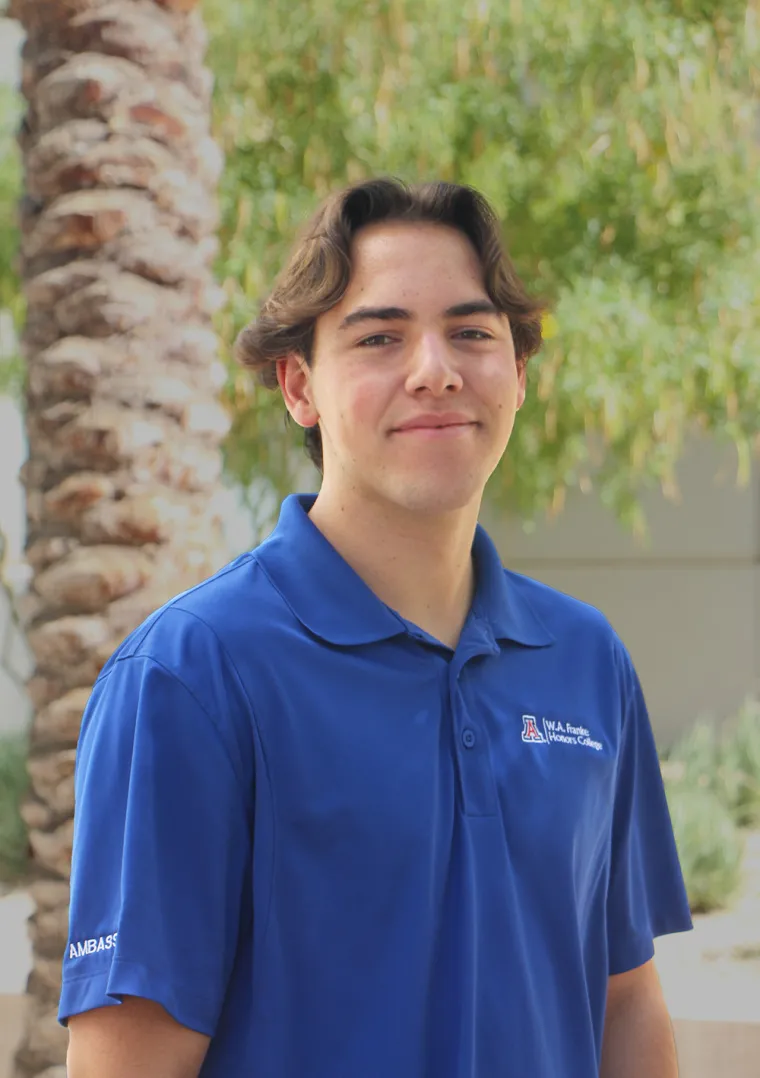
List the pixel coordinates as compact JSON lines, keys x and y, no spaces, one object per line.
{"x":468,"y":738}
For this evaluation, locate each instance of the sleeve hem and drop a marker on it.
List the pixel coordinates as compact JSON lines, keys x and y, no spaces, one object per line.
{"x":634,"y":953}
{"x":125,"y":978}
{"x":640,"y":949}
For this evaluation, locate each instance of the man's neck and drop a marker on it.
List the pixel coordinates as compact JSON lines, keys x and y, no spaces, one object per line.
{"x":418,"y":564}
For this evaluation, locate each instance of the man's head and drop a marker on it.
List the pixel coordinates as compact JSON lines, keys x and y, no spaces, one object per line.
{"x":398,"y":334}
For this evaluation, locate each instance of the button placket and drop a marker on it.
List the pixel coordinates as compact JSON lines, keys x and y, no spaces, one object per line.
{"x":477,"y":784}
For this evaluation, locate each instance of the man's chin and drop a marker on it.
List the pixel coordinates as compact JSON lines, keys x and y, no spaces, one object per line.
{"x":444,"y":495}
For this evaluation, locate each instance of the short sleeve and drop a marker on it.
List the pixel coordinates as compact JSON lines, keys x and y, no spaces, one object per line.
{"x":646,"y":896}
{"x":161,"y":853}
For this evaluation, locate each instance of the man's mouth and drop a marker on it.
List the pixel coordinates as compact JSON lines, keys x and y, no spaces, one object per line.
{"x":435,"y":423}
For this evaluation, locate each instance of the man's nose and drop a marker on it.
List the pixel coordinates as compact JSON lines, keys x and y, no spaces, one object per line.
{"x":432,"y":366}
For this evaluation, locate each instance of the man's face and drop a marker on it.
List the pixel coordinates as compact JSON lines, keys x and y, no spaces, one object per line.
{"x":414,"y":378}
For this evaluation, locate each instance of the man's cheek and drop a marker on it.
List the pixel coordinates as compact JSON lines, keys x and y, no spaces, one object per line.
{"x":363,"y":410}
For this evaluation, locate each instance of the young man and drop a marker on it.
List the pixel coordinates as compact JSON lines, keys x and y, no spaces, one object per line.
{"x":365,"y":805}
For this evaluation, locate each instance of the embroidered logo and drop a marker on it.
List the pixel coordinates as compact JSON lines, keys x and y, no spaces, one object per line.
{"x":531,"y":731}
{"x":547,"y":731}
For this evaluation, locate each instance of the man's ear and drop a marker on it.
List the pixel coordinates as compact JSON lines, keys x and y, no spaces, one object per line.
{"x":294,"y":378}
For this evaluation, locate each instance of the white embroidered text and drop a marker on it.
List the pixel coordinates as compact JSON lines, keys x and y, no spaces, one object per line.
{"x":85,"y":947}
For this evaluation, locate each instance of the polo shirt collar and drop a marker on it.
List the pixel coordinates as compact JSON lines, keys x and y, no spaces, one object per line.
{"x":500,"y":601}
{"x":326,"y":595}
{"x":332,"y":601}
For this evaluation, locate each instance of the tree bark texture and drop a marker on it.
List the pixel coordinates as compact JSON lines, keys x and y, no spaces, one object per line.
{"x":117,"y":221}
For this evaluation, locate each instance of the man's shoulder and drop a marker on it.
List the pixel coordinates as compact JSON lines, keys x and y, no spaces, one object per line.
{"x":587,"y":650}
{"x":560,"y":613}
{"x":207,"y":624}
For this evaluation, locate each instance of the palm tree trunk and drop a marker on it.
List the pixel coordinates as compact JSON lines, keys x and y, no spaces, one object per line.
{"x":124,"y":430}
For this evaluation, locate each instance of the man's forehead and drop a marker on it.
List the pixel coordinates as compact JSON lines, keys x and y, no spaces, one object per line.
{"x":389,"y":241}
{"x":391,"y":262}
{"x":404,"y":270}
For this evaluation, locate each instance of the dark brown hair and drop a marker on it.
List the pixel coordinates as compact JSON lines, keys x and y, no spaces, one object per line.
{"x":319,"y":271}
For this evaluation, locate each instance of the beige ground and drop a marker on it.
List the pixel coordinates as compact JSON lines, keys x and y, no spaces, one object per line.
{"x":714,"y":971}
{"x":15,"y":962}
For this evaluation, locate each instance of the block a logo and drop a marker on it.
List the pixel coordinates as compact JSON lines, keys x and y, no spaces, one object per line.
{"x":531,"y":732}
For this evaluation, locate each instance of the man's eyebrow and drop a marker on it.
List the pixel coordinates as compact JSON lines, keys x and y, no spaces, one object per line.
{"x":395,"y":314}
{"x":375,"y":314}
{"x":476,"y":306}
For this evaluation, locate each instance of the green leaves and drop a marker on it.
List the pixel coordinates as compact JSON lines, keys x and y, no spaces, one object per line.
{"x":10,"y":185}
{"x":618,"y":144}
{"x":11,"y":300}
{"x":712,"y":779}
{"x":14,"y":852}
{"x":710,"y":846}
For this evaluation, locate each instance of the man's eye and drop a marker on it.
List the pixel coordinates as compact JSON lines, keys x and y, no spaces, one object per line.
{"x":475,"y":334}
{"x":375,"y":341}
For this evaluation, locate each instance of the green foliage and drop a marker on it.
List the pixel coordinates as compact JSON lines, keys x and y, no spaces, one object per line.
{"x":710,"y":845}
{"x":618,"y":142}
{"x":725,"y":762}
{"x":10,"y":189}
{"x":11,"y":374}
{"x":11,"y":300}
{"x":696,"y":757}
{"x":707,"y":836}
{"x":740,"y":765}
{"x":712,"y":778}
{"x":13,"y":784}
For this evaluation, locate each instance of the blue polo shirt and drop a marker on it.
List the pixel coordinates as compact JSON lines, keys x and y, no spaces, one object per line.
{"x":342,"y":850}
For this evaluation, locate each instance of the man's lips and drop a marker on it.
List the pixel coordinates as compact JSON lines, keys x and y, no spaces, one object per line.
{"x":432,"y":422}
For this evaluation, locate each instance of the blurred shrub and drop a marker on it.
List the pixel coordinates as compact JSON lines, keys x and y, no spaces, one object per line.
{"x":710,"y":845}
{"x":724,"y":761}
{"x":13,"y":784}
{"x":739,"y":765}
{"x":695,"y":759}
{"x":712,"y":778}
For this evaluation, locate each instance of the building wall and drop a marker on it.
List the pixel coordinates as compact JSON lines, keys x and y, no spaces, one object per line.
{"x":686,"y":604}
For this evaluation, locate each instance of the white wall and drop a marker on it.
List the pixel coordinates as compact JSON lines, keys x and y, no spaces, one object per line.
{"x":687,"y":605}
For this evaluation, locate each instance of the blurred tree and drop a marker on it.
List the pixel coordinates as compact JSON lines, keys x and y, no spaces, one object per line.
{"x":117,"y":224}
{"x":619,"y":142}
